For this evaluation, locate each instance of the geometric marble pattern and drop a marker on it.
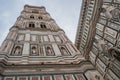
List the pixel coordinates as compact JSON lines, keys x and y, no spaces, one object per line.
{"x":50,"y":77}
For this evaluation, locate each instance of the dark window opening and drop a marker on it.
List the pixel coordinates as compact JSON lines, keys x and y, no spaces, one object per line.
{"x":32,"y":17}
{"x":32,"y":25}
{"x":40,"y":17}
{"x":43,"y":26}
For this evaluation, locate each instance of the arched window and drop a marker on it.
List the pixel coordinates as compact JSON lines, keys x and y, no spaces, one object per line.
{"x":40,"y":17}
{"x":32,"y":17}
{"x":31,"y":25}
{"x":43,"y":26}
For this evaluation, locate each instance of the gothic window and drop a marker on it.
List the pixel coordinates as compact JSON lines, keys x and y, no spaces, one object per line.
{"x":31,"y":25}
{"x":43,"y":26}
{"x":32,"y":17}
{"x":34,"y":50}
{"x":17,"y":50}
{"x":40,"y":17}
{"x":49,"y":50}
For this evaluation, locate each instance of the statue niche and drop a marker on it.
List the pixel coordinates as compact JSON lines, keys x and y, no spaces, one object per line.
{"x":17,"y":50}
{"x":34,"y":51}
{"x":49,"y":51}
{"x":64,"y":51}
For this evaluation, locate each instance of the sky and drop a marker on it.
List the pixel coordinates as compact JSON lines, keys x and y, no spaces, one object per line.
{"x":64,"y":12}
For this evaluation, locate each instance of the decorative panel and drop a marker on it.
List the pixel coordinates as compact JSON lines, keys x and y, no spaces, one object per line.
{"x":64,"y":50}
{"x":22,"y":78}
{"x":114,"y":26}
{"x":69,"y":77}
{"x":17,"y":50}
{"x":34,"y":50}
{"x":57,"y":38}
{"x":21,"y":37}
{"x":46,"y":77}
{"x":111,"y":32}
{"x":41,"y":52}
{"x":49,"y":50}
{"x":94,"y":50}
{"x":34,"y":37}
{"x":9,"y":78}
{"x":46,"y":38}
{"x":35,"y":78}
{"x":99,"y":32}
{"x":100,"y":26}
{"x":107,"y":0}
{"x":109,"y":38}
{"x":102,"y":21}
{"x":58,"y":77}
{"x":79,"y":77}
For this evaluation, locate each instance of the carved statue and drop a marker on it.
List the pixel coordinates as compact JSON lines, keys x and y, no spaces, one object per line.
{"x":49,"y":50}
{"x":17,"y":50}
{"x":34,"y":50}
{"x":63,"y":50}
{"x":111,"y":12}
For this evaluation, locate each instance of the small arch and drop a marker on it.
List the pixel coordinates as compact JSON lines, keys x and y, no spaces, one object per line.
{"x":49,"y":50}
{"x":17,"y":50}
{"x":43,"y":26}
{"x":40,"y":17}
{"x":64,"y":51}
{"x":32,"y":17}
{"x":34,"y":50}
{"x":31,"y":25}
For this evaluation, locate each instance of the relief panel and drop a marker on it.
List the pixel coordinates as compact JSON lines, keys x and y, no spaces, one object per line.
{"x":22,"y":78}
{"x":34,"y":37}
{"x":21,"y":37}
{"x":47,"y":77}
{"x":79,"y":77}
{"x":35,"y":78}
{"x":109,"y":38}
{"x":58,"y":77}
{"x":57,"y":38}
{"x":46,"y":38}
{"x":9,"y":78}
{"x":111,"y":32}
{"x":69,"y":77}
{"x":114,"y":26}
{"x":100,"y":26}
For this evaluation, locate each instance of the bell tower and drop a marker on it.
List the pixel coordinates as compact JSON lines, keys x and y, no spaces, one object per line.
{"x":36,"y":48}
